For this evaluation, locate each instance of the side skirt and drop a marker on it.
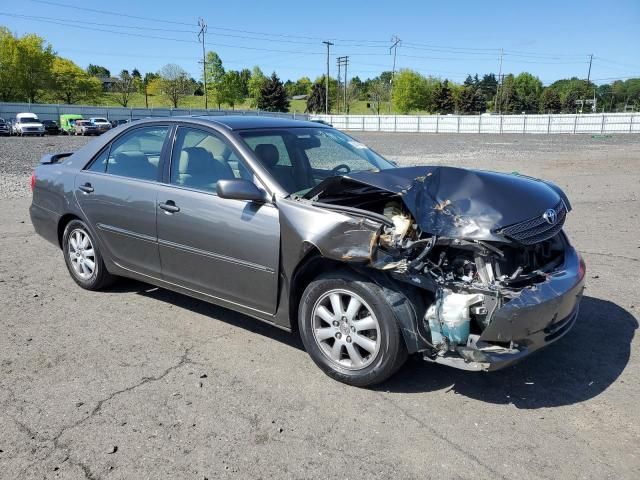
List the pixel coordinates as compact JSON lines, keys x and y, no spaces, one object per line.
{"x":117,"y":269}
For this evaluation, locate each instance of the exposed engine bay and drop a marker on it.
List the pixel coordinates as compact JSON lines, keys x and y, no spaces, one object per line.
{"x":468,"y":277}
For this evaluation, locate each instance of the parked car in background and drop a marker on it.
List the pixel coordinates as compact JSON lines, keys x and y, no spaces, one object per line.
{"x":299,"y":225}
{"x":5,"y":128}
{"x":102,"y":123}
{"x":85,"y":127}
{"x":117,"y":123}
{"x":67,"y":123}
{"x":28,"y":124}
{"x":51,"y":127}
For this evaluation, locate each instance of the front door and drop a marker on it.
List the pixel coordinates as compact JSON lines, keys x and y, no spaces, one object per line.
{"x":227,"y":249}
{"x":117,"y":193}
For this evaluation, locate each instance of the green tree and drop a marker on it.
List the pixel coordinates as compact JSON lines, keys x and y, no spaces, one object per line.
{"x":245,"y":76}
{"x":316,"y":100}
{"x":8,"y":65}
{"x":488,"y":86}
{"x":550,"y":101}
{"x":303,"y":86}
{"x":409,"y":91}
{"x":214,"y":72}
{"x":256,"y":82}
{"x":33,"y":70}
{"x":507,"y":102}
{"x":231,"y":88}
{"x":528,"y":89}
{"x":70,"y":83}
{"x":273,"y":96}
{"x":443,"y":101}
{"x":471,"y":100}
{"x":98,"y":71}
{"x":174,"y":83}
{"x":124,"y":88}
{"x":378,"y":92}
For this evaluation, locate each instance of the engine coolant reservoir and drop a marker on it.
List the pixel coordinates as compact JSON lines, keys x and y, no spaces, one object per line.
{"x":449,"y":317}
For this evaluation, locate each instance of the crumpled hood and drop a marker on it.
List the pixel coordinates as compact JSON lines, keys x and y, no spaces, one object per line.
{"x":456,"y":202}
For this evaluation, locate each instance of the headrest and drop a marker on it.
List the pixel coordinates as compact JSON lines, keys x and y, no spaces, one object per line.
{"x":268,"y":153}
{"x":194,"y":160}
{"x":131,"y":158}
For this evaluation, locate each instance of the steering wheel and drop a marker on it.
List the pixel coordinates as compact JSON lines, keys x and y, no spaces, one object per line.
{"x":342,"y":166}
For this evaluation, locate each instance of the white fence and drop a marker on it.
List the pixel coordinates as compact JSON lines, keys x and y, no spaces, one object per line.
{"x":554,"y":123}
{"x":53,"y":112}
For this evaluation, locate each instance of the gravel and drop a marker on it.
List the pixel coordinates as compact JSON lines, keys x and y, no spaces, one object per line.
{"x":139,"y":382}
{"x":18,"y":157}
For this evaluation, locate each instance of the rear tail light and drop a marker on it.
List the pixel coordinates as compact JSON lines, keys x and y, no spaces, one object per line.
{"x":33,"y":180}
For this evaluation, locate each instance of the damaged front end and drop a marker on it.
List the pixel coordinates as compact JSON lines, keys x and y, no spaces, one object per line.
{"x":486,"y":251}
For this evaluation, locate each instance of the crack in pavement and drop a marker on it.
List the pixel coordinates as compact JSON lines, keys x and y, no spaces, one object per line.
{"x":605,"y":254}
{"x":58,"y":445}
{"x":437,"y":434}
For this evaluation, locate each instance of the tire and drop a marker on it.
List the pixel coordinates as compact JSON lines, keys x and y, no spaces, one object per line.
{"x":79,"y":263}
{"x":373,"y":325}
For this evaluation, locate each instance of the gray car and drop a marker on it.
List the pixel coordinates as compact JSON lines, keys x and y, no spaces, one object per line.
{"x":297,"y":224}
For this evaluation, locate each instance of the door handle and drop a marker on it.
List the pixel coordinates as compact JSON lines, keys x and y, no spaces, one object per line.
{"x":169,"y":206}
{"x":86,"y":188}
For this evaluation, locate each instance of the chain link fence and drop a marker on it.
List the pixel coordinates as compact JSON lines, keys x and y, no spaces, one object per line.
{"x":547,"y":124}
{"x":53,"y":112}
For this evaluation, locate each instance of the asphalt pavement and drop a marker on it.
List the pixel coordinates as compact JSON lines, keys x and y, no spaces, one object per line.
{"x":139,"y":382}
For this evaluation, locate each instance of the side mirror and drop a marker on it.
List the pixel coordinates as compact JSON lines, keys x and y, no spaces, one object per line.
{"x":239,"y":189}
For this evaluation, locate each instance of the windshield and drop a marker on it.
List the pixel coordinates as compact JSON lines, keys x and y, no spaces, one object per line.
{"x":300,"y":158}
{"x":28,"y":120}
{"x":100,"y":120}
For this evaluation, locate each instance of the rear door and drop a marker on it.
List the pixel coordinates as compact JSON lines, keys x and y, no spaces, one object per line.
{"x":228,"y":249}
{"x":117,"y":193}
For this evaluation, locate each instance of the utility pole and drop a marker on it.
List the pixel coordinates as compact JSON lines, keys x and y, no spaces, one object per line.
{"x":589,"y":81}
{"x":326,"y":98}
{"x":346,"y":64}
{"x":339,"y":62}
{"x":498,"y":83}
{"x":396,"y":41}
{"x":201,"y":35}
{"x":343,"y":61}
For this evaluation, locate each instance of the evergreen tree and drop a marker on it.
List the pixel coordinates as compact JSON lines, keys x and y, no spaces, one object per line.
{"x":273,"y":96}
{"x":316,"y":101}
{"x":443,"y":99}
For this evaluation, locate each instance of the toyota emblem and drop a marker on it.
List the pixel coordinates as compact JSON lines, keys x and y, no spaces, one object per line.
{"x":550,"y":216}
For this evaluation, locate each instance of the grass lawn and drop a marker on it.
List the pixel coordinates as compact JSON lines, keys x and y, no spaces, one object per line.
{"x":298,"y":106}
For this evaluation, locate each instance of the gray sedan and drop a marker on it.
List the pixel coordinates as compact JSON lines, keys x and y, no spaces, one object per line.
{"x":297,"y":224}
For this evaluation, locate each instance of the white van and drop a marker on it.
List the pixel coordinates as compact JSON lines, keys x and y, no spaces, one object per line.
{"x":28,"y":124}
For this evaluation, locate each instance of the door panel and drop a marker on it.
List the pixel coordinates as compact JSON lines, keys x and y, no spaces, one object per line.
{"x":221,"y":247}
{"x":122,"y":212}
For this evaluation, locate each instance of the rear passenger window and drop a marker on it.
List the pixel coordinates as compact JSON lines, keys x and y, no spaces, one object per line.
{"x":137,"y":154}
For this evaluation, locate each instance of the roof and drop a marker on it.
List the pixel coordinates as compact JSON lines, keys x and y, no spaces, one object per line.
{"x":244,"y":122}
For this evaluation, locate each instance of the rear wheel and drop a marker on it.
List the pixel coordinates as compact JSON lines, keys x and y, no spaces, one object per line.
{"x":349,"y":328}
{"x":83,"y":258}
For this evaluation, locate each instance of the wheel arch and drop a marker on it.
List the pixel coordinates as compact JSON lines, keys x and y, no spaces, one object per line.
{"x":62,"y":224}
{"x":407,"y":300}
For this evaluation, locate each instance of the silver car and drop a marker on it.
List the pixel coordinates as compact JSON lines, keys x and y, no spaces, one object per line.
{"x":299,"y":225}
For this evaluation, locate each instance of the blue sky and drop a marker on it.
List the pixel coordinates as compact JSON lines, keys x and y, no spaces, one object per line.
{"x":448,"y":39}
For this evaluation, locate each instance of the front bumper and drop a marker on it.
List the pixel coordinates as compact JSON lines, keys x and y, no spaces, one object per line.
{"x":537,"y":317}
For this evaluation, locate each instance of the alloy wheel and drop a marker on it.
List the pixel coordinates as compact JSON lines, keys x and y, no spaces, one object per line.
{"x":346,"y":329}
{"x":81,"y":254}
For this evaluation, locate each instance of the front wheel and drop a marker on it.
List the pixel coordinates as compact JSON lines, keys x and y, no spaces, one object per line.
{"x":348,"y":326}
{"x":82,"y":257}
